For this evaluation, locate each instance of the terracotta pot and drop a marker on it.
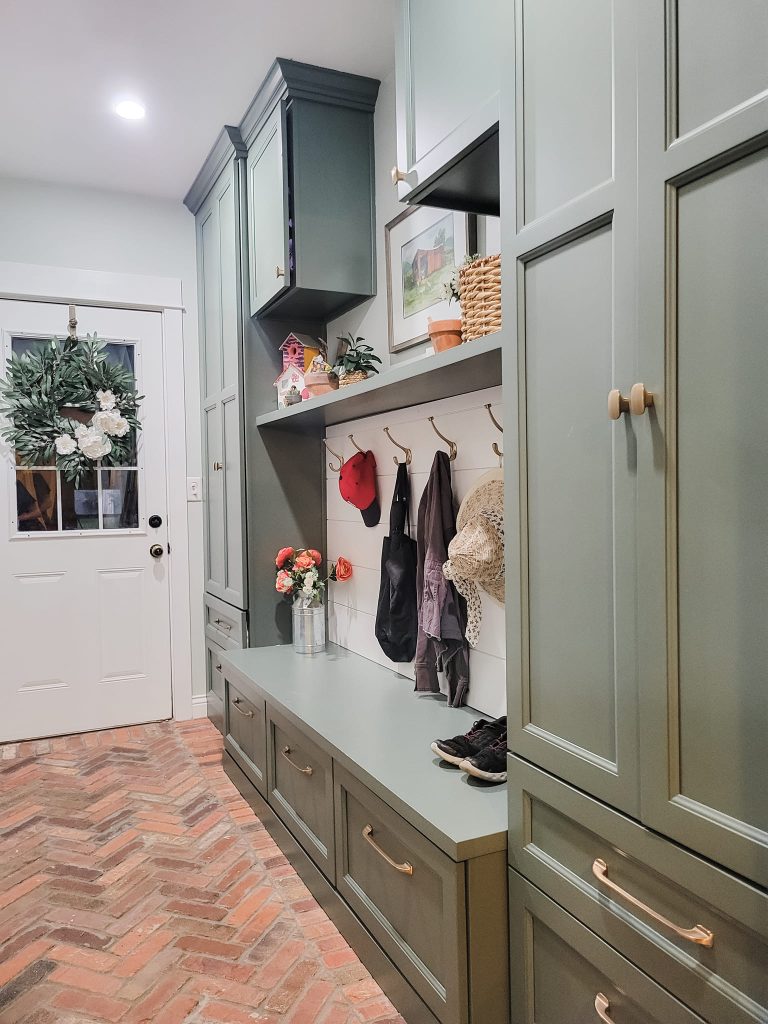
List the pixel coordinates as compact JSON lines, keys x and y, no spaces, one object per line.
{"x":320,"y":383}
{"x":445,"y":334}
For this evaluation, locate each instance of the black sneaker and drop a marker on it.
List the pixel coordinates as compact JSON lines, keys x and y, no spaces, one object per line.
{"x":490,"y":763}
{"x":481,"y":735}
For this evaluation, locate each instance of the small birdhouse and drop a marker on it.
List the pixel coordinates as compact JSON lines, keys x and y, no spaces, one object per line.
{"x":299,"y":350}
{"x":291,"y":377}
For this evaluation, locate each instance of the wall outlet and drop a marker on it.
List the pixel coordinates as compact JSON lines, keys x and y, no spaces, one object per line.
{"x":194,"y":488}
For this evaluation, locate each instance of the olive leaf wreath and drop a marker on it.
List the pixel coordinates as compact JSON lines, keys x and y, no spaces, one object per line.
{"x":39,"y":389}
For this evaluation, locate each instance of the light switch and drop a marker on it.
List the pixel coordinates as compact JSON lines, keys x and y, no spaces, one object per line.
{"x":194,"y":488}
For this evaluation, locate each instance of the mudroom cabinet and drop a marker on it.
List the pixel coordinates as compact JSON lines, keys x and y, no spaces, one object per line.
{"x":448,"y":73}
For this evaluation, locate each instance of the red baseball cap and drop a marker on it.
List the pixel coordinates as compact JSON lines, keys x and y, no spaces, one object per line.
{"x":357,"y":485}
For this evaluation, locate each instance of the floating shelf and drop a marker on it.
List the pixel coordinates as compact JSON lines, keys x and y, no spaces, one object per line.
{"x":469,"y":367}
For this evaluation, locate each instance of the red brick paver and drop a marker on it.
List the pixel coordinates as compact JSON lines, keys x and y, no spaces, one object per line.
{"x":136,"y":885}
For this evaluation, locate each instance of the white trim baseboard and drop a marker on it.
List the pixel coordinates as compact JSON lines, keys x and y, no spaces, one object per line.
{"x":199,"y":706}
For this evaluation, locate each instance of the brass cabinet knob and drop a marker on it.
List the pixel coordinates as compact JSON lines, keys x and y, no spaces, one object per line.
{"x":397,"y":175}
{"x":217,"y":467}
{"x":279,"y":272}
{"x":617,"y":404}
{"x":639,"y":399}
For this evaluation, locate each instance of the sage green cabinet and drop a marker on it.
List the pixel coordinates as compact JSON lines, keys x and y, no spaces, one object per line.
{"x":246,"y":734}
{"x":448,"y":74}
{"x":311,"y":208}
{"x":214,"y":684}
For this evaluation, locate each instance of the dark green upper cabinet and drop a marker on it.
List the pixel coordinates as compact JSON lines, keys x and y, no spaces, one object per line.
{"x":448,"y":71}
{"x":311,"y":213}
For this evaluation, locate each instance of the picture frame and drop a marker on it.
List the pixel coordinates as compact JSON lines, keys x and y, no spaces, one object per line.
{"x":423,"y":246}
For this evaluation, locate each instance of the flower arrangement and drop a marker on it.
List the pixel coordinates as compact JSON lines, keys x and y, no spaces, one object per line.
{"x":451,"y":290}
{"x":297,"y":574}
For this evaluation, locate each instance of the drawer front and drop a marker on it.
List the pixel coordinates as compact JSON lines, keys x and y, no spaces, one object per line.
{"x":224,"y":624}
{"x":247,"y":735}
{"x":578,"y":850}
{"x":562,"y":973}
{"x":301,"y":788}
{"x":410,"y":896}
{"x":214,"y":683}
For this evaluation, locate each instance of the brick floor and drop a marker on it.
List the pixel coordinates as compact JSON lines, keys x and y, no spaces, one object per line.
{"x":136,"y":885}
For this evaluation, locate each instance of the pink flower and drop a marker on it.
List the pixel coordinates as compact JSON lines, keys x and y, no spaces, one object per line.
{"x":284,"y":583}
{"x":304,"y":561}
{"x":282,"y":557}
{"x":316,"y":555}
{"x":343,"y":570}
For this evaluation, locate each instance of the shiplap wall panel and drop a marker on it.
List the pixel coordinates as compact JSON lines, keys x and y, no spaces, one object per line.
{"x":352,"y":605}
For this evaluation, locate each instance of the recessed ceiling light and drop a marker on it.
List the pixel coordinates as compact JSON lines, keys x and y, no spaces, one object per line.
{"x":131,"y":110}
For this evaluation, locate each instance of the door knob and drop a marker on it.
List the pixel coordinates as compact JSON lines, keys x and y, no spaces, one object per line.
{"x":156,"y":551}
{"x":217,"y":467}
{"x":398,"y":175}
{"x":617,"y":404}
{"x":639,"y":399}
{"x":279,"y":272}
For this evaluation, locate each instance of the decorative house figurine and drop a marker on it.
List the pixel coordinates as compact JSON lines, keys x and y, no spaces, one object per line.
{"x":290,"y":379}
{"x":299,"y":350}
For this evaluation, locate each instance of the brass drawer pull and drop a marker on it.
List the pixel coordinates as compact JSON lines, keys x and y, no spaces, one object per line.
{"x":304,"y":771}
{"x":617,"y":404}
{"x":245,"y":714}
{"x":405,"y":868}
{"x":700,"y":935}
{"x":602,"y":1006}
{"x":222,"y":624}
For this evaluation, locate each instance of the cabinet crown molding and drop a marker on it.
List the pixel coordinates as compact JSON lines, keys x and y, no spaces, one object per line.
{"x":229,"y":144}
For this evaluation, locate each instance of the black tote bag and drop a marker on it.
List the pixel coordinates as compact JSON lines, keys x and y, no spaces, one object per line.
{"x":396,"y":615}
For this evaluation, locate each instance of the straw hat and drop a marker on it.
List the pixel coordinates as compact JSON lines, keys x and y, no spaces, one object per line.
{"x":476,"y":553}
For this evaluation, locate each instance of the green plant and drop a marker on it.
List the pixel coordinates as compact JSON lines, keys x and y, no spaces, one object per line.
{"x":355,"y":357}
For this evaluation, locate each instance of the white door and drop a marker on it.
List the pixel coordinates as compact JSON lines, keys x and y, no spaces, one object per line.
{"x":84,"y":605}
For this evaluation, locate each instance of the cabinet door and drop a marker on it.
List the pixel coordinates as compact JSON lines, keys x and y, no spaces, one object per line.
{"x":447,"y":83}
{"x":267,"y":172}
{"x":571,"y":487}
{"x":703,"y":445}
{"x":214,"y":684}
{"x":224,"y":519}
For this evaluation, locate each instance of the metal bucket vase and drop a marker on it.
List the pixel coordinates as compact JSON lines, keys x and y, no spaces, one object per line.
{"x":308,"y":627}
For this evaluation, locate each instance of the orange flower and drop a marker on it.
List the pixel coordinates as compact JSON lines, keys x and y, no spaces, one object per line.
{"x":282,"y":557}
{"x":304,"y":561}
{"x":316,"y":555}
{"x":343,"y":569}
{"x":284,"y":583}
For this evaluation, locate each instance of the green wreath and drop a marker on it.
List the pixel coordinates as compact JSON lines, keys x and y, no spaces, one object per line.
{"x":69,"y":403}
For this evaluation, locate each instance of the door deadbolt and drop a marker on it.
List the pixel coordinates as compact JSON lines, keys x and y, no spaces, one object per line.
{"x":155,"y":522}
{"x":156,"y":551}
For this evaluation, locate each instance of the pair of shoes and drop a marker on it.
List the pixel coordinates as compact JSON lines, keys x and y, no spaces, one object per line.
{"x":481,"y":752}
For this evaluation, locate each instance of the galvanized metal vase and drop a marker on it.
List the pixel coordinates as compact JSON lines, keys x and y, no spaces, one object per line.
{"x":308,"y":626}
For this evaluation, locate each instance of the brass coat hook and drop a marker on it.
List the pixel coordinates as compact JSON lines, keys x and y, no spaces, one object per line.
{"x":356,"y":445}
{"x":334,"y":469}
{"x":451,"y":444}
{"x":408,"y":454}
{"x":72,"y":325}
{"x":494,"y":447}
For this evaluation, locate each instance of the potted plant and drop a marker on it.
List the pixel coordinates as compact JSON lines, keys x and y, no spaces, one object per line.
{"x":355,"y":361}
{"x":320,"y":378}
{"x":447,"y":333}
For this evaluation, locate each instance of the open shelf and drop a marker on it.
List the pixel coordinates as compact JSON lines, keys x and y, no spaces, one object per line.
{"x":469,"y":367}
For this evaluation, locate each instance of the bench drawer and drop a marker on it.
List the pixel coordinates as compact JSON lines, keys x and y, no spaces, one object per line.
{"x":562,"y":973}
{"x":615,"y":875}
{"x":214,"y":683}
{"x":301,"y":788}
{"x":224,"y":623}
{"x":246,"y":735}
{"x":409,"y":894}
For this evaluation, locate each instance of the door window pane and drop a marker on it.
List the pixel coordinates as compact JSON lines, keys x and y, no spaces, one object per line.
{"x":120,"y":499}
{"x":36,"y":500}
{"x":80,"y":504}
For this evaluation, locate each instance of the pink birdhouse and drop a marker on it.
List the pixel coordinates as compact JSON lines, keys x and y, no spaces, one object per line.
{"x":299,"y":350}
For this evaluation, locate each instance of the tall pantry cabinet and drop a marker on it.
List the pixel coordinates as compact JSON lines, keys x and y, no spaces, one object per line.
{"x":635,"y":241}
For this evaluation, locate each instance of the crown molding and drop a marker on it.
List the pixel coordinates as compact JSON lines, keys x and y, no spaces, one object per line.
{"x":227,"y":146}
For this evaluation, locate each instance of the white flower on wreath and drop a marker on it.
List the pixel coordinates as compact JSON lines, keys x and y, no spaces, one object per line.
{"x":80,"y":429}
{"x":65,"y":444}
{"x":106,"y":399}
{"x":93,"y":444}
{"x":110,"y":422}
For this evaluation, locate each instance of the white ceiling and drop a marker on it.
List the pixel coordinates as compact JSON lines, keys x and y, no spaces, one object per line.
{"x":196,"y":64}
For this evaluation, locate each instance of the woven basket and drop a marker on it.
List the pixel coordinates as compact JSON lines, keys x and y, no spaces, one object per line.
{"x":480,"y":290}
{"x":352,"y":378}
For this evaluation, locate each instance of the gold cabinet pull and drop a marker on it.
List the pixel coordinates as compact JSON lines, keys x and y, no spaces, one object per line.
{"x":405,"y":868}
{"x":218,"y":667}
{"x":700,"y":935}
{"x":245,"y":714}
{"x":617,"y":404}
{"x":222,"y":624}
{"x":217,"y":467}
{"x":279,"y":272}
{"x":602,"y":1006}
{"x":398,"y":175}
{"x":304,"y":771}
{"x":639,"y":399}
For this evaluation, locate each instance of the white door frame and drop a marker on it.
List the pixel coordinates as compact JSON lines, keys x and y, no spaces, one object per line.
{"x":37,"y":283}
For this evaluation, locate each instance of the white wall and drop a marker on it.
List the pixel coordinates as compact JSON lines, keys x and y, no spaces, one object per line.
{"x":352,"y":605}
{"x":92,"y":229}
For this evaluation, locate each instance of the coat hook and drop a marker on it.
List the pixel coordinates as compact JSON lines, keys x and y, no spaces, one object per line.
{"x":494,"y":447}
{"x":407,"y":451}
{"x":452,"y":444}
{"x":334,"y":469}
{"x":356,"y":445}
{"x":72,"y":326}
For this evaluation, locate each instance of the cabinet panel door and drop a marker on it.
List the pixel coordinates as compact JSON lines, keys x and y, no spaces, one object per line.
{"x":209,"y":285}
{"x":234,"y":511}
{"x":213,"y":518}
{"x":704,"y":463}
{"x":267,"y":172}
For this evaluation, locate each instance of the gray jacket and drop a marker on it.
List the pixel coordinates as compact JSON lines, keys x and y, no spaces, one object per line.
{"x":441,"y":644}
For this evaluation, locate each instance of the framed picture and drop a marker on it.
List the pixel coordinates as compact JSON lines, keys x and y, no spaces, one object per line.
{"x":423,"y":248}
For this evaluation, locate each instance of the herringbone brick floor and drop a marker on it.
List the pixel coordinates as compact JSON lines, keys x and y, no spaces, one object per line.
{"x":136,"y":885}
